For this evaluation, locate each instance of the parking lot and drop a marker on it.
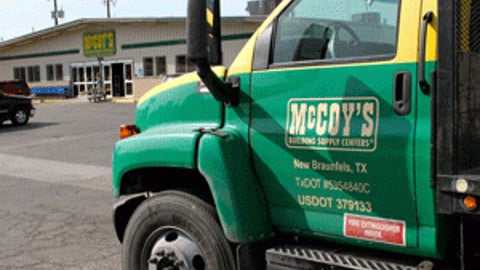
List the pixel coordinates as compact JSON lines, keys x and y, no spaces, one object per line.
{"x":55,"y":187}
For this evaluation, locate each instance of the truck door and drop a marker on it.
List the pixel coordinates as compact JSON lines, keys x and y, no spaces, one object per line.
{"x":333,"y":119}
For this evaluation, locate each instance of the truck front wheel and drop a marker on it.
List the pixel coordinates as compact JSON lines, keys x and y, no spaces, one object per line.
{"x":175,"y":230}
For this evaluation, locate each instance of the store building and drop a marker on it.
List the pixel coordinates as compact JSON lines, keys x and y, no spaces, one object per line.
{"x":261,"y":7}
{"x":130,"y":55}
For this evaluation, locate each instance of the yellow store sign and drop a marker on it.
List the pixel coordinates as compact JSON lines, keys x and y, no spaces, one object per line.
{"x":99,"y":44}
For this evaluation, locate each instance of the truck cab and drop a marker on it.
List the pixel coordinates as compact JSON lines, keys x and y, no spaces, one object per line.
{"x":343,"y":136}
{"x":15,"y":87}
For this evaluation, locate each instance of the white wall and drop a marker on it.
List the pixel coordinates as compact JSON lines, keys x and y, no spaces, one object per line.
{"x":127,"y":33}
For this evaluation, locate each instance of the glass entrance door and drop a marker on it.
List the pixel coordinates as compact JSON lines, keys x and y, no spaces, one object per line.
{"x":78,"y":79}
{"x":121,"y":81}
{"x":118,"y":80}
{"x":129,"y":80}
{"x":117,"y":77}
{"x":83,"y":77}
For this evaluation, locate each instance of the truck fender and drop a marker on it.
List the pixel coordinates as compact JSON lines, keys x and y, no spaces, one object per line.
{"x":226,"y":164}
{"x":153,"y":148}
{"x":123,"y":209}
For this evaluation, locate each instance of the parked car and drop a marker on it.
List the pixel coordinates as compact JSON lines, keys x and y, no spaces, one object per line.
{"x":172,"y":76}
{"x":18,"y":109}
{"x":15,"y":87}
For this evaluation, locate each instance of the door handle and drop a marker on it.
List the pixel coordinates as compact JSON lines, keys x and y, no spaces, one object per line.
{"x":402,"y":93}
{"x":424,"y":86}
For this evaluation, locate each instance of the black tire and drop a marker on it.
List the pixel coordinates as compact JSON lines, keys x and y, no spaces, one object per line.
{"x":20,"y":116}
{"x":179,"y":224}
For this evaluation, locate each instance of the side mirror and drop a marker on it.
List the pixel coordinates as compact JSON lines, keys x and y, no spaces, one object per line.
{"x":199,"y":30}
{"x":205,"y":31}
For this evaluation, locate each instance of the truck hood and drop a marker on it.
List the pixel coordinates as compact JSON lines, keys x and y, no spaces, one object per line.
{"x":181,"y":101}
{"x":17,"y":97}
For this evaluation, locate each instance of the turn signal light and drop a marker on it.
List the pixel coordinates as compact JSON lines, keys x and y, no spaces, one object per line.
{"x":128,"y":131}
{"x":470,"y":203}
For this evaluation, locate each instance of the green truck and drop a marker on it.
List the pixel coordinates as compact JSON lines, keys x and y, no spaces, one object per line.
{"x":345,"y":135}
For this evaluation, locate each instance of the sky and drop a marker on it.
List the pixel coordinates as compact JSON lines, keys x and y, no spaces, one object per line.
{"x":21,"y":17}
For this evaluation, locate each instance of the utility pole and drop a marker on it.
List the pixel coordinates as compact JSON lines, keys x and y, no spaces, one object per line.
{"x":56,"y":14}
{"x":109,"y":13}
{"x":109,"y":4}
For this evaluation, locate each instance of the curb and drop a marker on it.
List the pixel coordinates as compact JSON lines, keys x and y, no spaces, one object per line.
{"x":38,"y":101}
{"x":81,"y":100}
{"x":124,"y":100}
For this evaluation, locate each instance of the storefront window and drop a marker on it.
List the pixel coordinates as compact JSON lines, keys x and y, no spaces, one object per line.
{"x":50,"y":75}
{"x":59,"y":72}
{"x":19,"y":73}
{"x":160,"y":65}
{"x":148,"y":66}
{"x":33,"y":73}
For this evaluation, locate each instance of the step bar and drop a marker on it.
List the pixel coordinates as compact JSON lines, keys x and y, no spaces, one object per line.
{"x":289,"y":258}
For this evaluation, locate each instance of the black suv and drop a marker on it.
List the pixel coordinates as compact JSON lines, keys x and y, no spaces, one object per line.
{"x":17,"y":109}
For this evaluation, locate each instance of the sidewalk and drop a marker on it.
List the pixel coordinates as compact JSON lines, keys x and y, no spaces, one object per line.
{"x":78,"y":99}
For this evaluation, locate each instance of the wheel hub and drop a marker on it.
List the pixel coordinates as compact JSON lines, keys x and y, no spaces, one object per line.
{"x":165,"y":261}
{"x":20,"y":116}
{"x":174,"y":250}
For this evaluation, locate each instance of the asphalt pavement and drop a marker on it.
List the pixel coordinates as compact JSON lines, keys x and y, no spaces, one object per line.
{"x":55,"y":187}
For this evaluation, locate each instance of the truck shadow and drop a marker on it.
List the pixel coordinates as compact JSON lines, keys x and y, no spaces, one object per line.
{"x":9,"y":128}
